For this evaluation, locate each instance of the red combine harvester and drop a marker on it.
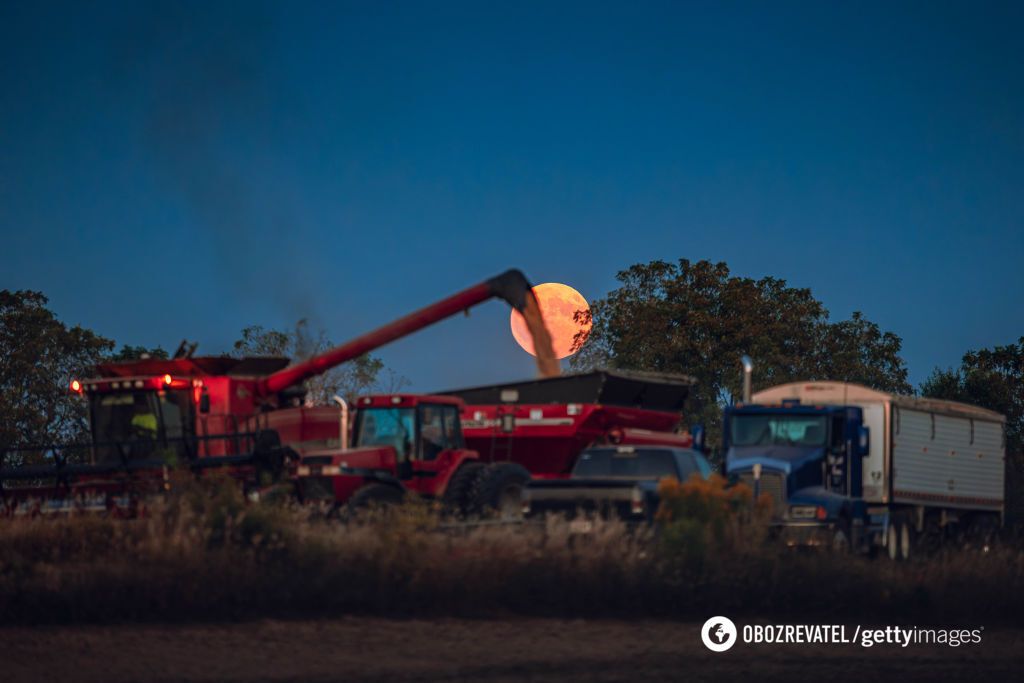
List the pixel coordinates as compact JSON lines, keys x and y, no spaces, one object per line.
{"x":475,"y":449}
{"x":240,"y":416}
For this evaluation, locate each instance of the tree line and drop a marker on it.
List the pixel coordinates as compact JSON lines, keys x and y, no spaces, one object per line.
{"x":698,"y":319}
{"x":693,"y":318}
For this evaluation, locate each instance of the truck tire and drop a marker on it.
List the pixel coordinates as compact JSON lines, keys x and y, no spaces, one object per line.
{"x":458,"y":494}
{"x":899,"y":539}
{"x":930,"y":541}
{"x":906,"y":540}
{"x":498,"y":490}
{"x":374,"y":496}
{"x":892,"y":541}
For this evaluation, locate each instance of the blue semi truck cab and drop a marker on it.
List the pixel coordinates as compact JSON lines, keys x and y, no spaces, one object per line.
{"x":809,"y":460}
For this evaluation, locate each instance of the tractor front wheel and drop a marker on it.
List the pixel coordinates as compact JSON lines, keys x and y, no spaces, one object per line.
{"x":498,"y":490}
{"x":458,"y":494}
{"x":373,"y":498}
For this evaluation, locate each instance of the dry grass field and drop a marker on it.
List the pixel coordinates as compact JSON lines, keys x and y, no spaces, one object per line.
{"x":204,"y":555}
{"x":207,"y":587}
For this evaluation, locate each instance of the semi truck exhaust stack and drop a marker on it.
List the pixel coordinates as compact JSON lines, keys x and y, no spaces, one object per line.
{"x":748,"y":370}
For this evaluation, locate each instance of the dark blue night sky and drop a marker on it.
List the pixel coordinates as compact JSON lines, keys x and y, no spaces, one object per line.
{"x":170,"y":170}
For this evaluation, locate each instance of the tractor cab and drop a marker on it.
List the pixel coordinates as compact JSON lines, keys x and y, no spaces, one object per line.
{"x":421,"y":429}
{"x":406,"y":441}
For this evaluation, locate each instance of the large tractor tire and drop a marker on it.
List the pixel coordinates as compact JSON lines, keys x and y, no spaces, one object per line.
{"x":458,"y":495}
{"x":498,"y":490}
{"x":373,"y":498}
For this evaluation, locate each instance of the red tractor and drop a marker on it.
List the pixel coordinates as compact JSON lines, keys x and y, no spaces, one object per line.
{"x":241,"y":416}
{"x":417,"y":444}
{"x":403,"y":444}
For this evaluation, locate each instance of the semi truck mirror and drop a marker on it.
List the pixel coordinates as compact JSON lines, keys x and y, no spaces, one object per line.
{"x":697,"y":431}
{"x":204,"y":401}
{"x":864,"y":440}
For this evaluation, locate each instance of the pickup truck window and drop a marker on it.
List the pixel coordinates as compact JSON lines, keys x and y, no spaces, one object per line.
{"x":703,"y":467}
{"x":642,"y":463}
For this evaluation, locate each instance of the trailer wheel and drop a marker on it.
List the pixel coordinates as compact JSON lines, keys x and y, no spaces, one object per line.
{"x":906,"y":541}
{"x":930,"y":541}
{"x":373,"y":497}
{"x":458,"y":493}
{"x":892,"y":542}
{"x":499,"y":490}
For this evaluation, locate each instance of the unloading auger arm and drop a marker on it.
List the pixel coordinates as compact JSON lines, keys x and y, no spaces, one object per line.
{"x":512,"y":286}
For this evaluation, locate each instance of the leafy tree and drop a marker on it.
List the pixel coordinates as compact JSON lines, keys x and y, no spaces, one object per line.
{"x":994,"y":379}
{"x":358,"y":376}
{"x":698,"y":319}
{"x":856,"y":350}
{"x":39,"y":356}
{"x":990,"y":378}
{"x":128,"y":352}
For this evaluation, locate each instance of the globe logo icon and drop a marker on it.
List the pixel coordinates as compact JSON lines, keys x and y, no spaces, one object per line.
{"x":718,"y":634}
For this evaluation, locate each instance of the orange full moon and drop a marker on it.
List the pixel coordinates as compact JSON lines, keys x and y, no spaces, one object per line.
{"x":558,"y":305}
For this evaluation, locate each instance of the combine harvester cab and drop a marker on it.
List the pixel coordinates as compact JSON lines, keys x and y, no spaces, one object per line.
{"x":151,"y":416}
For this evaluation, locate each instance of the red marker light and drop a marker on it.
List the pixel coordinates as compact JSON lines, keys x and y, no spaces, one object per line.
{"x":76,"y":386}
{"x":167,"y":380}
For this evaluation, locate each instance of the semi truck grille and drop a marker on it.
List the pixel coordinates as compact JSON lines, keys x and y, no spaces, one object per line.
{"x":772,"y":483}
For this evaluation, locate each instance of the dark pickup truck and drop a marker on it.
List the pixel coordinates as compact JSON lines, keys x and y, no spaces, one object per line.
{"x":609,"y":480}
